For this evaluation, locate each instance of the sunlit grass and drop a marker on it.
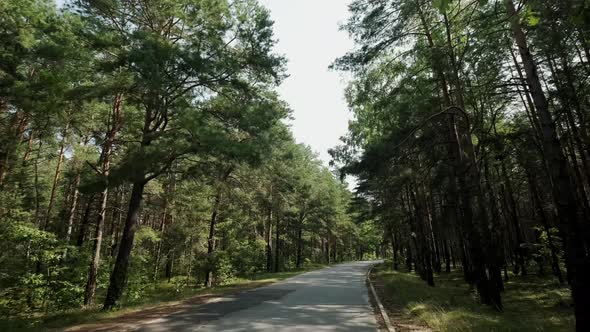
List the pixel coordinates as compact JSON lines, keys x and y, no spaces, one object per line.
{"x":530,"y":303}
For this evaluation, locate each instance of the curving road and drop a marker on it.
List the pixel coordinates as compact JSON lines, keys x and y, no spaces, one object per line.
{"x":331,"y":299}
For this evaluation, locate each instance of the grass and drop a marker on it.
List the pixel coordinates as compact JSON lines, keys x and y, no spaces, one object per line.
{"x":530,"y":303}
{"x":163,"y":294}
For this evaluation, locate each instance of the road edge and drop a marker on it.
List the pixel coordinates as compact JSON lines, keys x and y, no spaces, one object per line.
{"x":384,"y":314}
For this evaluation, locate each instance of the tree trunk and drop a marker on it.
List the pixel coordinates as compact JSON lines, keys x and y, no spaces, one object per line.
{"x":73,"y":207}
{"x":393,"y":247}
{"x":540,"y":211}
{"x":268,"y":239}
{"x":212,"y":225}
{"x":36,"y":182}
{"x":574,"y":235}
{"x":513,"y":211}
{"x":169,"y":266}
{"x":159,"y":246}
{"x":119,"y":275}
{"x":104,"y":195}
{"x":463,"y":158}
{"x":277,"y":248}
{"x":299,"y":243}
{"x":211,"y":239}
{"x":84,"y":222}
{"x":10,"y":145}
{"x":60,"y":159}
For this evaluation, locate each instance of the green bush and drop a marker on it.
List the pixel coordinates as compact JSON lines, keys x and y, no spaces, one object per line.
{"x":249,"y":257}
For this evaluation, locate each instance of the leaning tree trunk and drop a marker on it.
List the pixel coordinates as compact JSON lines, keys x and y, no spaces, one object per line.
{"x":60,"y":159}
{"x":119,"y":274}
{"x":574,"y":231}
{"x":104,"y":195}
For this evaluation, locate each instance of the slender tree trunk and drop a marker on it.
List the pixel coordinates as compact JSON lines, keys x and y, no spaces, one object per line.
{"x":574,"y":235}
{"x":10,"y":145}
{"x":190,"y":262}
{"x":268,"y":239}
{"x":27,"y":153}
{"x":119,"y":275}
{"x":393,"y":247}
{"x":117,"y":219}
{"x":84,"y":222}
{"x":60,"y":159}
{"x":552,"y":248}
{"x":36,"y":182}
{"x":169,"y":265}
{"x":299,"y":242}
{"x":73,"y":206}
{"x":104,"y":195}
{"x":159,"y":247}
{"x":409,"y":258}
{"x":447,"y":257}
{"x":277,"y":248}
{"x":481,"y":252}
{"x":211,"y":239}
{"x":212,"y":226}
{"x":513,"y":211}
{"x":327,"y":251}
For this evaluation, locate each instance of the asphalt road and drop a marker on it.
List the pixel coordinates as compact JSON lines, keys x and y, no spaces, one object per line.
{"x":331,"y":299}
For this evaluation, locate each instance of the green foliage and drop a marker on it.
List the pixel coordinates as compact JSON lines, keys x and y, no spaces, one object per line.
{"x":42,"y":280}
{"x":442,"y":5}
{"x":178,"y":100}
{"x":248,"y":257}
{"x":450,"y":156}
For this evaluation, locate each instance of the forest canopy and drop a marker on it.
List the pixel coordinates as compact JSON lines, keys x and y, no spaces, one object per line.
{"x":470,"y":137}
{"x":144,"y":142}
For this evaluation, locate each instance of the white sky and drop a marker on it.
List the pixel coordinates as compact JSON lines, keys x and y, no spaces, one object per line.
{"x":308,"y":35}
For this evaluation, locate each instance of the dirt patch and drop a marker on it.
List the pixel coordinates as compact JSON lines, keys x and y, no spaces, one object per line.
{"x":400,"y":320}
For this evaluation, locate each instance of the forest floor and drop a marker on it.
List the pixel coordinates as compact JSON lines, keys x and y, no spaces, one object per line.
{"x":164,"y":298}
{"x":530,"y":303}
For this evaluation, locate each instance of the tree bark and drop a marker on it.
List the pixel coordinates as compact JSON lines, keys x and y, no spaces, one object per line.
{"x":104,"y":195}
{"x":212,"y":226}
{"x":119,"y":275}
{"x":60,"y":159}
{"x":73,"y":207}
{"x":84,"y":222}
{"x":277,"y":248}
{"x":268,"y":236}
{"x":299,"y":258}
{"x":211,"y":239}
{"x":574,"y":234}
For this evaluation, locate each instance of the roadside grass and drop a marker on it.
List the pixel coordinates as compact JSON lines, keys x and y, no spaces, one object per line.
{"x":158,"y":295}
{"x":530,"y":303}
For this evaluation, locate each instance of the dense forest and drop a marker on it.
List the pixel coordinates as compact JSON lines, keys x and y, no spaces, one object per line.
{"x":470,"y":137}
{"x":144,"y":142}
